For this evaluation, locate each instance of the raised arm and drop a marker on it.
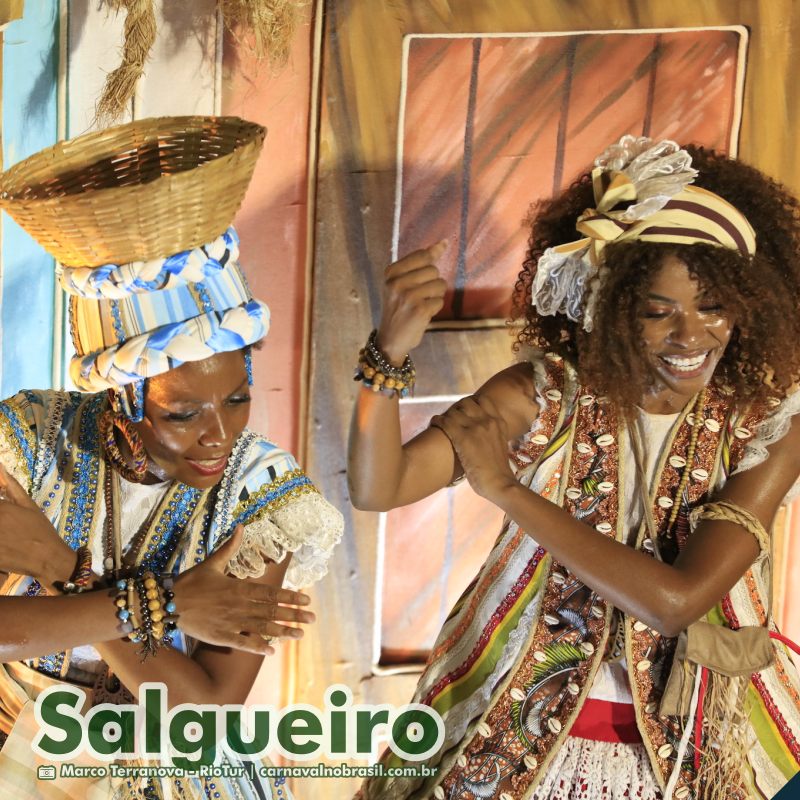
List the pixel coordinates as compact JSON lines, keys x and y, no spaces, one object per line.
{"x":666,"y":597}
{"x":383,"y":473}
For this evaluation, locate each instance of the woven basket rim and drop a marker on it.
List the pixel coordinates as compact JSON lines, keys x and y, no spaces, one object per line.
{"x":120,"y":192}
{"x":65,"y":196}
{"x":114,"y":138}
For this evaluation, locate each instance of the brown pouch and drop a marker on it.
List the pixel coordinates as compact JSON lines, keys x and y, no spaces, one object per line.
{"x":733,"y":653}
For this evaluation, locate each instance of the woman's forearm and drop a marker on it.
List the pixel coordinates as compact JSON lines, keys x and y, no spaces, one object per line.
{"x":34,"y":626}
{"x":666,"y":597}
{"x":214,"y":675}
{"x":187,"y":680}
{"x":375,"y":455}
{"x":382,"y":472}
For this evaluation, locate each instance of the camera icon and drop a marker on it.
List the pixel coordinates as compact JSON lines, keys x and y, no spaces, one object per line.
{"x":46,"y":772}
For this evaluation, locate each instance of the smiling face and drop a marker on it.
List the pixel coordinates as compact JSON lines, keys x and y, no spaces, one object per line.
{"x":193,"y":416}
{"x":685,"y":333}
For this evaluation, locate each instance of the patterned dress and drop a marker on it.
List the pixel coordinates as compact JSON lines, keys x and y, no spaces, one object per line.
{"x":535,"y":700}
{"x":49,"y":442}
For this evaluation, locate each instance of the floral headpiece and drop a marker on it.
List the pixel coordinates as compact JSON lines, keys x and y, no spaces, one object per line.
{"x":648,"y":185}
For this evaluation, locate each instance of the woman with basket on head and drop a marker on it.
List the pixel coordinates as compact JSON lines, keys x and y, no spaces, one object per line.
{"x":617,"y":642}
{"x":126,"y":510}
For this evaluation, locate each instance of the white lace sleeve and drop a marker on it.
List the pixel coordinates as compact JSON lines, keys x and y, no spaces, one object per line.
{"x":308,"y":526}
{"x":265,"y":490}
{"x":773,"y":428}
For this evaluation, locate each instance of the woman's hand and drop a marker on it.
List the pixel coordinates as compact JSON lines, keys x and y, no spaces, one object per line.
{"x":29,"y":544}
{"x":479,"y":435}
{"x":230,"y":612}
{"x":413,"y":292}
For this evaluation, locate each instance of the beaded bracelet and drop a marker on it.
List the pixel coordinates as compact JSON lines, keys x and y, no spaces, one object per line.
{"x":157,"y":607}
{"x":125,"y":603}
{"x":377,"y":372}
{"x":79,"y":580}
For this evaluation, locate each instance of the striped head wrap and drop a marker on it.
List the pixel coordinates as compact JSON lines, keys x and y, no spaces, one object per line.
{"x":133,"y":321}
{"x":642,"y":192}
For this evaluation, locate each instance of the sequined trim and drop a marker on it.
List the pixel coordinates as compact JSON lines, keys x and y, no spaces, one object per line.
{"x":224,"y":507}
{"x":272,"y":496}
{"x":164,"y":536}
{"x":81,"y":493}
{"x":49,"y":436}
{"x":19,"y":435}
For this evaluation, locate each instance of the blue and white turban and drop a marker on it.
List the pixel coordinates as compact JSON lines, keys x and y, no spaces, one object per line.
{"x":133,"y":321}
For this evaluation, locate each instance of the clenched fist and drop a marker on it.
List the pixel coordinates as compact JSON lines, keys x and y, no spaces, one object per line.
{"x":413,"y":292}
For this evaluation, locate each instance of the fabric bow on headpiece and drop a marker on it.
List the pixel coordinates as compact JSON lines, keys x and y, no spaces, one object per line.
{"x":654,"y":181}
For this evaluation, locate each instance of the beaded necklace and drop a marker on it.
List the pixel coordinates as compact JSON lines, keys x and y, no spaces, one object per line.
{"x":638,"y":452}
{"x":154,"y":544}
{"x":616,"y":646}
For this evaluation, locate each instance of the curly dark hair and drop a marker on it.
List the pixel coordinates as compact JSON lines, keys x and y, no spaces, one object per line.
{"x":762,"y":292}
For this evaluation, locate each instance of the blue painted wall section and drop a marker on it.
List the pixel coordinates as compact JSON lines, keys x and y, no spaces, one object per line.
{"x":30,"y":64}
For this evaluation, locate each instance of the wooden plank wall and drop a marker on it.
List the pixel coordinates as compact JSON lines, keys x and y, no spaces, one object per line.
{"x":272,"y":223}
{"x":360,"y":91}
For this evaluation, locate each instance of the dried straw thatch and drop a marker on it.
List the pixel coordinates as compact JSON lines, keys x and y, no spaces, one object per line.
{"x":140,"y":33}
{"x":270,"y":23}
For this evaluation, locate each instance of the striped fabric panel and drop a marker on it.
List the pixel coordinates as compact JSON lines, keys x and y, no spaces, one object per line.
{"x":769,"y":734}
{"x":449,"y":691}
{"x":484,"y":580}
{"x":459,"y":684}
{"x":774,"y":699}
{"x":145,"y":312}
{"x":695,"y":215}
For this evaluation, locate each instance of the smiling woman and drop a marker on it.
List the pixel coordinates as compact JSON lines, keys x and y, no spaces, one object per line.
{"x":684,"y":336}
{"x":127,"y":508}
{"x":196,"y":414}
{"x":618,"y":640}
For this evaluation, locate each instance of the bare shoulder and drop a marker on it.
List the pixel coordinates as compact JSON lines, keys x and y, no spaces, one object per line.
{"x":762,"y":487}
{"x":513,"y":392}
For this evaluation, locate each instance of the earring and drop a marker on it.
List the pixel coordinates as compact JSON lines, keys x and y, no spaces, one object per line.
{"x":137,"y":404}
{"x":106,"y":424}
{"x":248,"y":365}
{"x":130,"y":404}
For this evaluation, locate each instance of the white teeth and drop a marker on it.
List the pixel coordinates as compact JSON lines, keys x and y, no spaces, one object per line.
{"x":685,"y":364}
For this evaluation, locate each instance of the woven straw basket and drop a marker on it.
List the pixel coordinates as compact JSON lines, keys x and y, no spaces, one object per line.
{"x":135,"y":192}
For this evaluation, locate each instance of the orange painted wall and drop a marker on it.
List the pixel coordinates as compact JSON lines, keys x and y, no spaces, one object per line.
{"x":272,"y":221}
{"x":272,"y":227}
